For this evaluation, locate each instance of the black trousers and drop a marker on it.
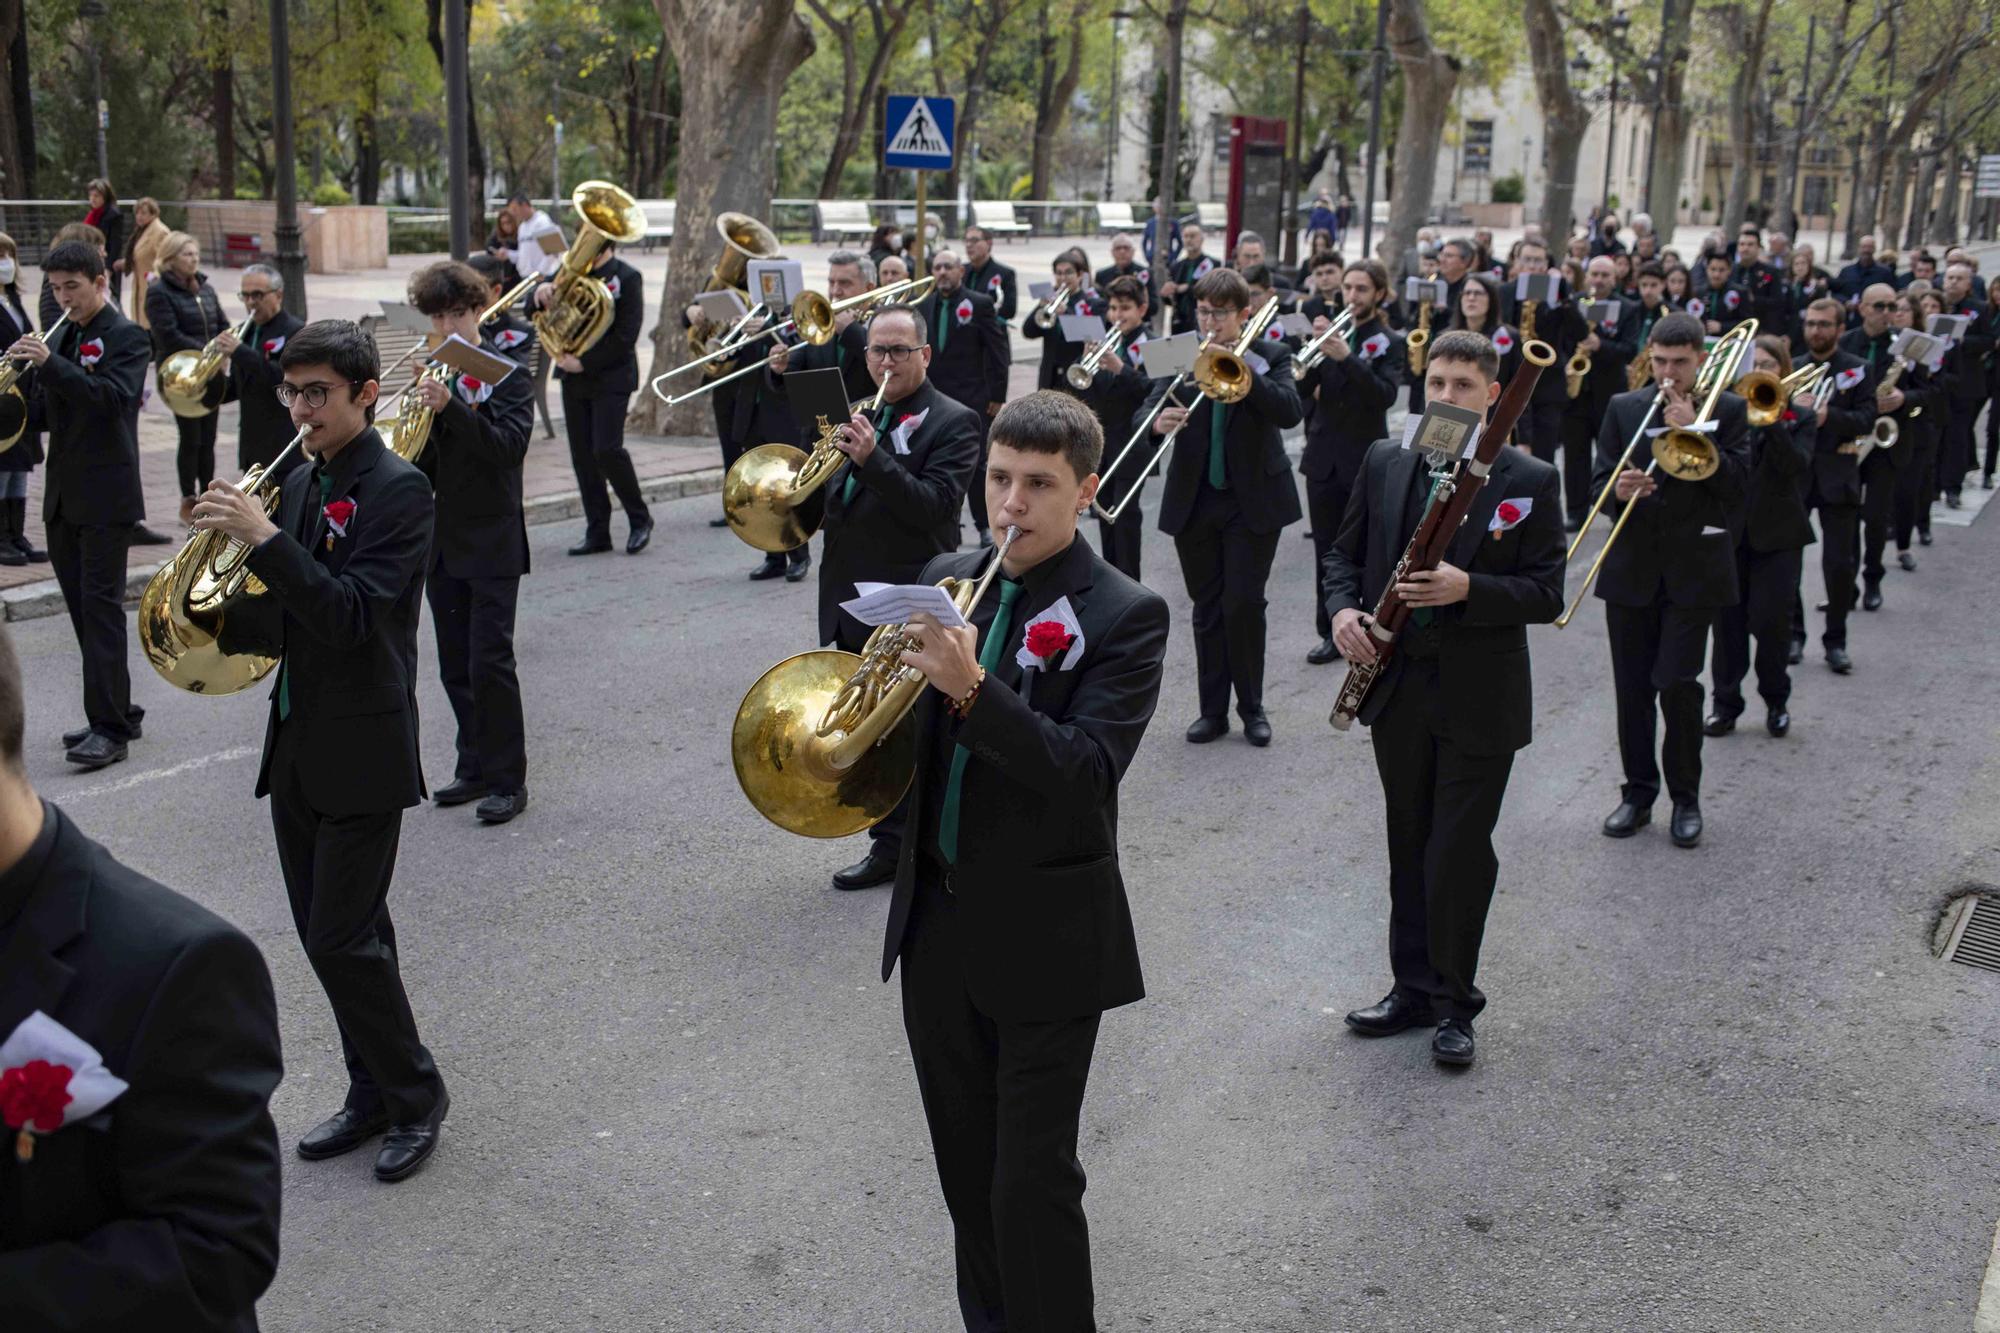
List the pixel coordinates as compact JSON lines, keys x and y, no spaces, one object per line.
{"x":975,"y":493}
{"x":1121,"y":541}
{"x":194,"y":459}
{"x":1767,"y":587}
{"x":1878,"y":510}
{"x":1992,"y":438}
{"x":1956,"y":453}
{"x":1225,"y":567}
{"x":885,"y":838}
{"x":597,"y":452}
{"x":474,"y":619}
{"x":1839,"y":558}
{"x":337,"y":871}
{"x":89,"y":564}
{"x":1579,"y":441}
{"x":1916,"y":486}
{"x":1442,"y":805}
{"x":1326,"y":503}
{"x":1003,"y":1101}
{"x":1540,"y":428}
{"x":1656,"y":656}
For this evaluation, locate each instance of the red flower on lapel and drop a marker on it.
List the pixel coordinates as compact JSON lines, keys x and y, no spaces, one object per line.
{"x":338,"y":515}
{"x":33,"y":1095}
{"x":91,"y":352}
{"x":1046,"y":638}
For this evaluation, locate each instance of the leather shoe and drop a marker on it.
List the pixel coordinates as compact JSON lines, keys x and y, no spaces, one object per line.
{"x":591,"y":546}
{"x":1686,"y":826}
{"x":342,"y":1132}
{"x":721,"y":522}
{"x":1453,"y":1043}
{"x":458,"y":793}
{"x":12,"y":555}
{"x":1871,"y":597}
{"x":1719,"y":724}
{"x":407,"y":1147}
{"x":1393,"y":1013}
{"x":773,"y":567}
{"x":797,"y":570}
{"x":145,"y":536}
{"x":72,"y":739}
{"x":1257,"y":729}
{"x":95,"y":751}
{"x":635,"y":541}
{"x":1777,"y":722}
{"x":1627,"y":819}
{"x":1907,"y":561}
{"x":1838,"y":661}
{"x":1924,"y":538}
{"x":1796,"y":653}
{"x":866,"y":873}
{"x":502,"y":806}
{"x":1206,"y":729}
{"x":1951,"y":500}
{"x":1324,"y":653}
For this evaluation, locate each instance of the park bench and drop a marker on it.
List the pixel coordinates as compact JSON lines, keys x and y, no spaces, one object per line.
{"x":836,"y":219}
{"x":1213,"y":217}
{"x":659,"y":221}
{"x":997,"y":216}
{"x":1114,"y":218}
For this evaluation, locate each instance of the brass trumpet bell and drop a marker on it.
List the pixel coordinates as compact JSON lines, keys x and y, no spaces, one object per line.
{"x":1763,"y":393}
{"x":783,"y":763}
{"x":1686,"y":454}
{"x":760,"y":496}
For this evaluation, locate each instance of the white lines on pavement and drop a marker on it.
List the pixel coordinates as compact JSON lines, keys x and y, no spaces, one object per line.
{"x":155,"y":774}
{"x":1987,"y":1318}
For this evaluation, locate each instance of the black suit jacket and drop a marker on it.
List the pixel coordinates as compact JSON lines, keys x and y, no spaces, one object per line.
{"x":1678,"y":546}
{"x":92,"y":415}
{"x":254,"y":375}
{"x":1850,"y":413}
{"x":1043,"y":929}
{"x":1856,"y":278}
{"x":1117,"y":400}
{"x":1350,"y":402}
{"x":1774,"y":507}
{"x":997,"y":283}
{"x":846,"y":352}
{"x":972,"y":368}
{"x":1617,"y":344}
{"x":905,"y":508}
{"x":1058,"y":352}
{"x":611,"y":364}
{"x":349,"y":628}
{"x":1253,"y":450}
{"x":474,"y":462}
{"x":165,"y":1216}
{"x":1515,"y":576}
{"x":1922,"y":395}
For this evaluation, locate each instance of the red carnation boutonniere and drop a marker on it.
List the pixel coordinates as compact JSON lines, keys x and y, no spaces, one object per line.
{"x":33,"y":1097}
{"x":473,"y":391}
{"x":1790,"y":416}
{"x":339,"y":514}
{"x":1046,"y":638}
{"x":1055,"y":631}
{"x":611,"y":285}
{"x":91,"y":352}
{"x":964,"y":312}
{"x":273,"y":346}
{"x":49,"y":1078}
{"x":1508,"y":514}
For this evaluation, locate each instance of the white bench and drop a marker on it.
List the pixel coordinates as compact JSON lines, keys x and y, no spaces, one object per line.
{"x":1114,"y":218}
{"x":837,"y":218}
{"x":659,"y":220}
{"x":1213,"y":217}
{"x":997,"y":216}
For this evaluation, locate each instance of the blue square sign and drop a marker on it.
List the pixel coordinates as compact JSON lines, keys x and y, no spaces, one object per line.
{"x":920,"y":133}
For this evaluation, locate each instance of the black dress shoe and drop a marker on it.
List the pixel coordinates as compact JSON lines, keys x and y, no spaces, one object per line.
{"x":343,"y":1132}
{"x":635,"y":541}
{"x":1952,"y":501}
{"x":1796,"y":653}
{"x":1987,"y":481}
{"x":773,"y":567}
{"x":72,"y":739}
{"x":1923,"y":539}
{"x":591,"y":545}
{"x":1777,"y":722}
{"x":1206,"y":729}
{"x":1838,"y":661}
{"x":95,"y":751}
{"x":145,"y":536}
{"x":866,"y":873}
{"x":1257,"y":728}
{"x":1907,"y":561}
{"x":1719,"y":724}
{"x":1452,"y":1045}
{"x":1393,"y":1013}
{"x":1871,"y":597}
{"x":797,"y":570}
{"x":1322,"y":654}
{"x":12,"y":555}
{"x":502,"y":806}
{"x":37,"y":556}
{"x":458,"y":793}
{"x":1627,"y":819}
{"x":407,"y":1147}
{"x":1686,"y":826}
{"x":722,"y":522}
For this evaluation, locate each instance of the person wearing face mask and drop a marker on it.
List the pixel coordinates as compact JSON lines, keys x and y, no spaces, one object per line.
{"x":184,"y":312}
{"x":342,"y":561}
{"x":256,"y":367}
{"x":16,"y":463}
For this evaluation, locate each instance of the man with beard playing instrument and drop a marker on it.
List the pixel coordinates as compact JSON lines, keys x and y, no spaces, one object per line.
{"x":1834,"y":484}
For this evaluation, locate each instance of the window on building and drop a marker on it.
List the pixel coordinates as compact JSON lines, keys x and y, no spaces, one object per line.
{"x":1818,"y":190}
{"x":1477,"y":157}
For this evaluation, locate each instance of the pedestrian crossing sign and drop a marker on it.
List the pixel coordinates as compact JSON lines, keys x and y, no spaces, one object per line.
{"x":920,"y":134}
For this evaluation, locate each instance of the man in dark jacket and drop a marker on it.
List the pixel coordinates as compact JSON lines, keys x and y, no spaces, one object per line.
{"x":255,"y":369}
{"x":1834,"y":488}
{"x":1117,"y":392}
{"x":988,"y":276}
{"x":970,"y":356}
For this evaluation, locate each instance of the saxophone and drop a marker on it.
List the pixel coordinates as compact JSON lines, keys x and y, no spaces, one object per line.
{"x":1528,"y":309}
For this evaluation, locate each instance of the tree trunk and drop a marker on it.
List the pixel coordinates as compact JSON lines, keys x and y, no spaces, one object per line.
{"x":1165,"y":199}
{"x":16,"y":105}
{"x":475,"y":153}
{"x":222,"y":103}
{"x":1944,"y":223}
{"x":733,"y":60}
{"x":1745,"y":37}
{"x":859,"y":86}
{"x":1670,"y":124}
{"x":1429,"y":78}
{"x":1058,"y":87}
{"x":1565,"y":119}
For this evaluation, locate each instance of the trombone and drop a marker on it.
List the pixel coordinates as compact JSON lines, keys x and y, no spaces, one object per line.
{"x":1314,"y":352}
{"x":1685,"y":452}
{"x":1083,"y":372}
{"x":13,"y":403}
{"x":1220,"y":373}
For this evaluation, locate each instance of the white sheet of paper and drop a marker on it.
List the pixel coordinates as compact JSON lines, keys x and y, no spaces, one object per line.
{"x":477,"y":362}
{"x":775,"y":282}
{"x":895,"y":603}
{"x":1040,"y":290}
{"x":1167,"y":357}
{"x":1081,"y":328}
{"x":723,"y":307}
{"x":1296,"y":325}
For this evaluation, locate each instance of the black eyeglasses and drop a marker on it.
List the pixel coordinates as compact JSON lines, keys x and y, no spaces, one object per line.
{"x":895,"y":356}
{"x":314,"y":394}
{"x":248,"y":297}
{"x":1881,"y":305}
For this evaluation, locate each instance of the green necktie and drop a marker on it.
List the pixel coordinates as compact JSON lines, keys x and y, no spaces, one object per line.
{"x":943,"y":326}
{"x":284,"y":667}
{"x":853,"y":482}
{"x":989,"y":661}
{"x":1218,"y":430}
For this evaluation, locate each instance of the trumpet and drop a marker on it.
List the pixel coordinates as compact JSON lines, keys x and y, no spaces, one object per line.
{"x":1051,"y":306}
{"x":1314,"y":352}
{"x":13,"y":403}
{"x":1083,"y":372}
{"x":1686,"y":453}
{"x":1419,"y":339}
{"x":819,"y":743}
{"x":1767,"y":396}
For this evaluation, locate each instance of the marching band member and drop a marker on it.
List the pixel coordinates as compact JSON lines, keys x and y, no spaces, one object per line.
{"x":1653,"y":304}
{"x":1923,"y":268}
{"x":722,"y":399}
{"x":988,"y":276}
{"x":1968,"y":390}
{"x":1124,"y":264}
{"x":1117,"y":392}
{"x":892,"y":507}
{"x":1480,"y":301}
{"x":1562,"y":329}
{"x":892,"y":269}
{"x":1989,"y":320}
{"x":1771,"y":536}
{"x":1323,"y":279}
{"x":1350,"y":392}
{"x":1228,"y":495}
{"x":88,"y":383}
{"x":970,"y":356}
{"x":1189,"y":269}
{"x":1834,"y":488}
{"x":255,"y":369}
{"x":1455,"y":260}
{"x":1009,"y":915}
{"x":514,"y":336}
{"x":343,"y":562}
{"x":1058,"y":352}
{"x":1880,"y":470}
{"x":16,"y":463}
{"x":1922,"y":432}
{"x":1721,"y":303}
{"x":478,"y":444}
{"x":1763,"y":282}
{"x":1664,"y":580}
{"x":1455,"y":703}
{"x":183,"y":312}
{"x":1611,"y":344}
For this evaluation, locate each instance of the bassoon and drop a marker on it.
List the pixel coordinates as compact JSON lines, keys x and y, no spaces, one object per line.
{"x":1450,"y":502}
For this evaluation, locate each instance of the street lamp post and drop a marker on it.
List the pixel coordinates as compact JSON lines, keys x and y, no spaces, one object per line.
{"x":1374,"y":129}
{"x":456,"y":137}
{"x":554,"y":52}
{"x":291,"y":260}
{"x":1615,"y":46}
{"x":1118,"y":17}
{"x":90,"y":11}
{"x":1288,"y":187}
{"x":1656,"y":64}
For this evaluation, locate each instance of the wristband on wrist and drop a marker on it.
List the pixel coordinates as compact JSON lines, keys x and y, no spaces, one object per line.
{"x":960,"y":706}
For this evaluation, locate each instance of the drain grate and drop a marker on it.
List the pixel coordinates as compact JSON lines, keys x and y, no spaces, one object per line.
{"x":1970,"y":930}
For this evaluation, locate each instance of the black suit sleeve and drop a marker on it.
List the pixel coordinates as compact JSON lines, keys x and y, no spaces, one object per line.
{"x":929,"y":498}
{"x":1009,"y":296}
{"x":997,"y":353}
{"x":619,"y":341}
{"x":498,"y":434}
{"x":119,"y":378}
{"x":1850,"y":413}
{"x":1788,"y":449}
{"x":344,"y":610}
{"x":1362,"y":386}
{"x":1532,"y":594}
{"x":1274,"y":394}
{"x":197,"y":1166}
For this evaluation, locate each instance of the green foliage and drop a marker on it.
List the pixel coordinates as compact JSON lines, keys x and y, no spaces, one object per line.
{"x":1509,"y":189}
{"x":331,"y":194}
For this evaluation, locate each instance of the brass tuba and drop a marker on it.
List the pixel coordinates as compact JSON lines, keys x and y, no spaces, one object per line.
{"x":187,"y":375}
{"x":13,"y":403}
{"x":581,"y":309}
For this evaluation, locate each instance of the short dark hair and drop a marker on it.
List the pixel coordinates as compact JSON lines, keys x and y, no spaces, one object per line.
{"x":1679,"y":329}
{"x":1377,"y":274}
{"x":520,"y":197}
{"x":1126,"y":288}
{"x":1717,"y":257}
{"x":1223,"y":287}
{"x":1465,"y":345}
{"x":1780,"y":348}
{"x":1526,"y":243}
{"x":1048,"y":422}
{"x":916,"y":318}
{"x":13,"y":706}
{"x":447,"y":287}
{"x":341,"y":345}
{"x":1076,"y":258}
{"x":76,"y":257}
{"x":1652,"y":268}
{"x":1327,"y":259}
{"x":1464,"y":247}
{"x":490,"y":267}
{"x":1258,"y":275}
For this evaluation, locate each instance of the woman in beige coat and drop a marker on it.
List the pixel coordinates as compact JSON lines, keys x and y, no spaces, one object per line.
{"x":141,"y":254}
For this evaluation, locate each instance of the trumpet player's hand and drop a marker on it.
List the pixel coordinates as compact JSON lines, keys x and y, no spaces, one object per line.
{"x":570,"y":363}
{"x":1679,"y":411}
{"x":1111,"y":363}
{"x":1350,"y":635}
{"x":1634,"y":483}
{"x":433,"y":395}
{"x":225,"y":509}
{"x":949,"y":658}
{"x":1891,"y":401}
{"x":544,"y":294}
{"x":1444,"y":586}
{"x":856,"y":439}
{"x":1336,"y":349}
{"x":1169,"y":420}
{"x":32,"y":350}
{"x":227,"y":342}
{"x":1321,"y":324}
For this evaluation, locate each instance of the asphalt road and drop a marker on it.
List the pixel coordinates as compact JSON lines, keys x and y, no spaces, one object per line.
{"x":1720,"y":1089}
